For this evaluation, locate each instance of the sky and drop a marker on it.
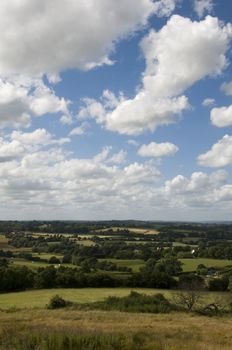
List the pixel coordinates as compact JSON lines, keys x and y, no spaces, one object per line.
{"x":116,"y":110}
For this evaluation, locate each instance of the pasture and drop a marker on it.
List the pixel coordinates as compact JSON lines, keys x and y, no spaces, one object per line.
{"x":191,"y":264}
{"x":135,"y":265}
{"x":39,"y":298}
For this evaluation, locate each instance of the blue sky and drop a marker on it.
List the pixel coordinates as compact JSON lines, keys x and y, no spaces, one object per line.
{"x":116,"y":110}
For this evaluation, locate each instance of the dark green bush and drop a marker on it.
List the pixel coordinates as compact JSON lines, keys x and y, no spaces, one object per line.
{"x":136,"y":302}
{"x":57,"y":302}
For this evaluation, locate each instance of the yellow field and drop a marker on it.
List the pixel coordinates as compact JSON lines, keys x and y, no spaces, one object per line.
{"x":133,"y":229}
{"x":143,"y":231}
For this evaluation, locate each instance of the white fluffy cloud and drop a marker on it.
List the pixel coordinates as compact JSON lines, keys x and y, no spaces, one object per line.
{"x":208,"y":102}
{"x":118,"y":158}
{"x":51,"y":36}
{"x":199,"y":191}
{"x":20,"y":99}
{"x":49,"y":182}
{"x":79,"y":130}
{"x":19,"y":145}
{"x":202,"y":7}
{"x":38,"y":137}
{"x":154,"y":149}
{"x":164,"y":8}
{"x":221,"y":117}
{"x":219,"y":155}
{"x":227,"y":88}
{"x":182,"y":44}
{"x":10,"y":150}
{"x":169,"y":53}
{"x":37,"y":173}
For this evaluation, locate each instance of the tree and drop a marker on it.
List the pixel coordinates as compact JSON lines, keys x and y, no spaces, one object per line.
{"x":170,"y":265}
{"x":219,"y":284}
{"x":187,"y":298}
{"x":54,"y":260}
{"x":189,"y":294}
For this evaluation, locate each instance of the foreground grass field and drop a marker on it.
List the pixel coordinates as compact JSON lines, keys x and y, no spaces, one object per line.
{"x":99,"y":330}
{"x":191,"y":264}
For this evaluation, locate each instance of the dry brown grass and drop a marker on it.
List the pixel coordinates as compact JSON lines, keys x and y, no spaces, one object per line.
{"x":174,"y":331}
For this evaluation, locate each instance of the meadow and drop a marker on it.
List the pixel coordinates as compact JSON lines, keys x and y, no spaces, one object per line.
{"x":99,"y":330}
{"x":40,"y":298}
{"x":135,"y":264}
{"x":33,"y":299}
{"x":191,"y":264}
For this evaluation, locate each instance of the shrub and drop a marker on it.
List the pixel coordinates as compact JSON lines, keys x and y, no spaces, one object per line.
{"x":219,"y":284}
{"x":136,"y":302}
{"x":57,"y":302}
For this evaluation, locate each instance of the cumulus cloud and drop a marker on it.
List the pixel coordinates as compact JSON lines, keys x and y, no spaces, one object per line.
{"x":154,"y":149}
{"x":52,"y":36}
{"x":208,"y":102}
{"x":164,"y":8}
{"x":80,"y":130}
{"x":202,"y":7}
{"x":49,"y":181}
{"x":18,"y":144}
{"x":36,"y":172}
{"x":169,"y":53}
{"x":221,"y":117}
{"x":118,"y":158}
{"x":227,"y":88}
{"x":200,"y":190}
{"x":219,"y":155}
{"x":133,"y":142}
{"x":10,"y":150}
{"x":20,"y":99}
{"x":182,"y":44}
{"x":38,"y":137}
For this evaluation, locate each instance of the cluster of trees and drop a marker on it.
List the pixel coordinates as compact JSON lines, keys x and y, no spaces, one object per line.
{"x":222,"y":250}
{"x":157,"y":275}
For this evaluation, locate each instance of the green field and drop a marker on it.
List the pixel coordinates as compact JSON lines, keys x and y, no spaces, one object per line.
{"x":39,"y":298}
{"x":180,"y":244}
{"x":47,"y":255}
{"x":135,"y":265}
{"x":36,"y":264}
{"x":191,"y":264}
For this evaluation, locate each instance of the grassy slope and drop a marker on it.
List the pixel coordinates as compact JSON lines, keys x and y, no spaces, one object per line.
{"x":134,"y":264}
{"x":191,"y":264}
{"x":40,"y":298}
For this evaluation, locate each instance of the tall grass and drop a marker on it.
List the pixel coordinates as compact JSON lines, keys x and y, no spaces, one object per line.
{"x":23,"y":339}
{"x":74,"y":329}
{"x":12,"y":338}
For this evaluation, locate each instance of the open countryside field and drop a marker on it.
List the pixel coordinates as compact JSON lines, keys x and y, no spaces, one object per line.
{"x":40,"y":298}
{"x":47,"y":255}
{"x":143,"y":231}
{"x":135,"y":265}
{"x":146,"y":231}
{"x":191,"y":264}
{"x":35,"y":264}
